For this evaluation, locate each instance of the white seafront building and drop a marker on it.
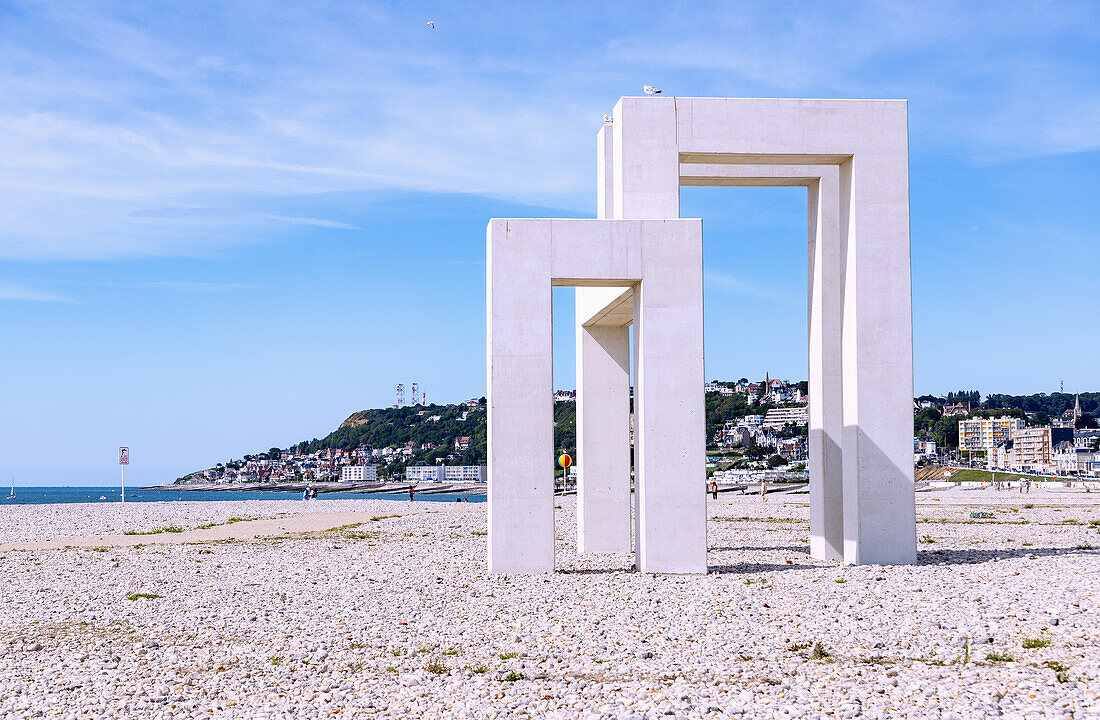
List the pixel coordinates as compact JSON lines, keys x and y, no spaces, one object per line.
{"x":445,"y":473}
{"x":359,"y":473}
{"x":465,"y":473}
{"x":424,"y":473}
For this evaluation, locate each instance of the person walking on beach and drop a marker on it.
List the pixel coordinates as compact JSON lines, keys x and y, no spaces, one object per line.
{"x":763,"y":491}
{"x":713,"y":490}
{"x":411,"y":491}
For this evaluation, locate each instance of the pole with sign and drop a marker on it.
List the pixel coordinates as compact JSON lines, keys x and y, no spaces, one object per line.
{"x":123,"y":461}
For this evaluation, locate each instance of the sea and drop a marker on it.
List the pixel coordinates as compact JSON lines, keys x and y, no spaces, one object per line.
{"x":54,"y":495}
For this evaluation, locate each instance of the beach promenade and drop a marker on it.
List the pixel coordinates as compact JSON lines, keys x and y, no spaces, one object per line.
{"x":384,"y":609}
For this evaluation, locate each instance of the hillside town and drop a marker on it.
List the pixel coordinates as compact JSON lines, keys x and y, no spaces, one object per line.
{"x":752,"y":426}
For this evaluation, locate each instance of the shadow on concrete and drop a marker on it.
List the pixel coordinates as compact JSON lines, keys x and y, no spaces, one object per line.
{"x":974,"y":557}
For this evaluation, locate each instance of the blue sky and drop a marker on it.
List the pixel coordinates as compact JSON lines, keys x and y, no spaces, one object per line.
{"x":226,"y":226}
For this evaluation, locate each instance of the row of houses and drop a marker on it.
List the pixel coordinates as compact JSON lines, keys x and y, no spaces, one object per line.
{"x":418,"y":473}
{"x":768,"y":391}
{"x":329,"y":464}
{"x":1009,"y":444}
{"x":764,"y":431}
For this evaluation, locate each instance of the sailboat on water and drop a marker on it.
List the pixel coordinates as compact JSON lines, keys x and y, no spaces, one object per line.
{"x":12,"y":496}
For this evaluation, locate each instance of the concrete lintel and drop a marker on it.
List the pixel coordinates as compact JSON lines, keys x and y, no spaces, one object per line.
{"x":614,"y":307}
{"x":762,"y":159}
{"x":692,"y":174}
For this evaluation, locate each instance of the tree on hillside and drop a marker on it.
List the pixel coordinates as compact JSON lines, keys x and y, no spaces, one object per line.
{"x":565,"y":429}
{"x":945,"y":432}
{"x":974,"y":397}
{"x":925,"y":420}
{"x":1085,"y":422}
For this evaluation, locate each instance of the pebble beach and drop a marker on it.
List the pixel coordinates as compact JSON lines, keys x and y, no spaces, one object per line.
{"x":384,"y":609}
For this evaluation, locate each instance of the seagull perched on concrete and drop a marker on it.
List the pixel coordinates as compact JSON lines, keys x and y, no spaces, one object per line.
{"x":431,"y":24}
{"x":650,"y":90}
{"x":607,"y":119}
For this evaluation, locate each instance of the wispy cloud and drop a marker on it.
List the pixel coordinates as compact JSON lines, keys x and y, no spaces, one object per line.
{"x":736,"y":286}
{"x":190,"y":286}
{"x":128,"y":111}
{"x":9,"y":291}
{"x":316,"y":222}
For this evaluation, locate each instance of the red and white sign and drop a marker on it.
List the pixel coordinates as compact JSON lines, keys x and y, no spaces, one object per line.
{"x":124,"y":456}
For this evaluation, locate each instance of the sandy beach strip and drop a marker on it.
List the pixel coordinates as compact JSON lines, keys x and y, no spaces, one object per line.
{"x":285,"y":526}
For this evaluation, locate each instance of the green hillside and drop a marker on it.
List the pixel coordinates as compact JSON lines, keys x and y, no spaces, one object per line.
{"x":434,"y":425}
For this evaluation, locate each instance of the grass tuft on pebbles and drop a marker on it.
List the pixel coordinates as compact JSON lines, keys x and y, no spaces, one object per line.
{"x":1061,"y":672}
{"x":158,"y":531}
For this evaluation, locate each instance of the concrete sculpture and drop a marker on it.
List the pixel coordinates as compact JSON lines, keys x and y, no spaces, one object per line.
{"x":639,"y":264}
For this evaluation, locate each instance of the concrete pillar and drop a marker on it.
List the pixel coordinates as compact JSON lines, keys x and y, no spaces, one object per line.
{"x":520,"y":397}
{"x":879,"y":506}
{"x":669,"y":440}
{"x":603,"y":428}
{"x":826,"y":424}
{"x":669,"y":423}
{"x":605,"y":172}
{"x":603,"y":402}
{"x":646,"y":172}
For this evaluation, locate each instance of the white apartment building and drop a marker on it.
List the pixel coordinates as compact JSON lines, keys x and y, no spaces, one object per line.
{"x":1032,"y":450}
{"x":424,"y":473}
{"x":465,"y":473}
{"x":359,"y":473}
{"x":987,"y":433}
{"x":778,"y":417}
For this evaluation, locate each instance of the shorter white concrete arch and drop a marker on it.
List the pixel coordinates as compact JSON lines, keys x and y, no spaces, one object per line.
{"x":661,"y":262}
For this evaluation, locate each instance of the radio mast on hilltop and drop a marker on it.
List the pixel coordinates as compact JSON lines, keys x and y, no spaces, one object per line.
{"x":415,"y":399}
{"x":400,"y":395}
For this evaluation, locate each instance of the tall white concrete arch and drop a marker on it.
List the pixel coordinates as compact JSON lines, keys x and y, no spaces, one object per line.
{"x":852,"y":156}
